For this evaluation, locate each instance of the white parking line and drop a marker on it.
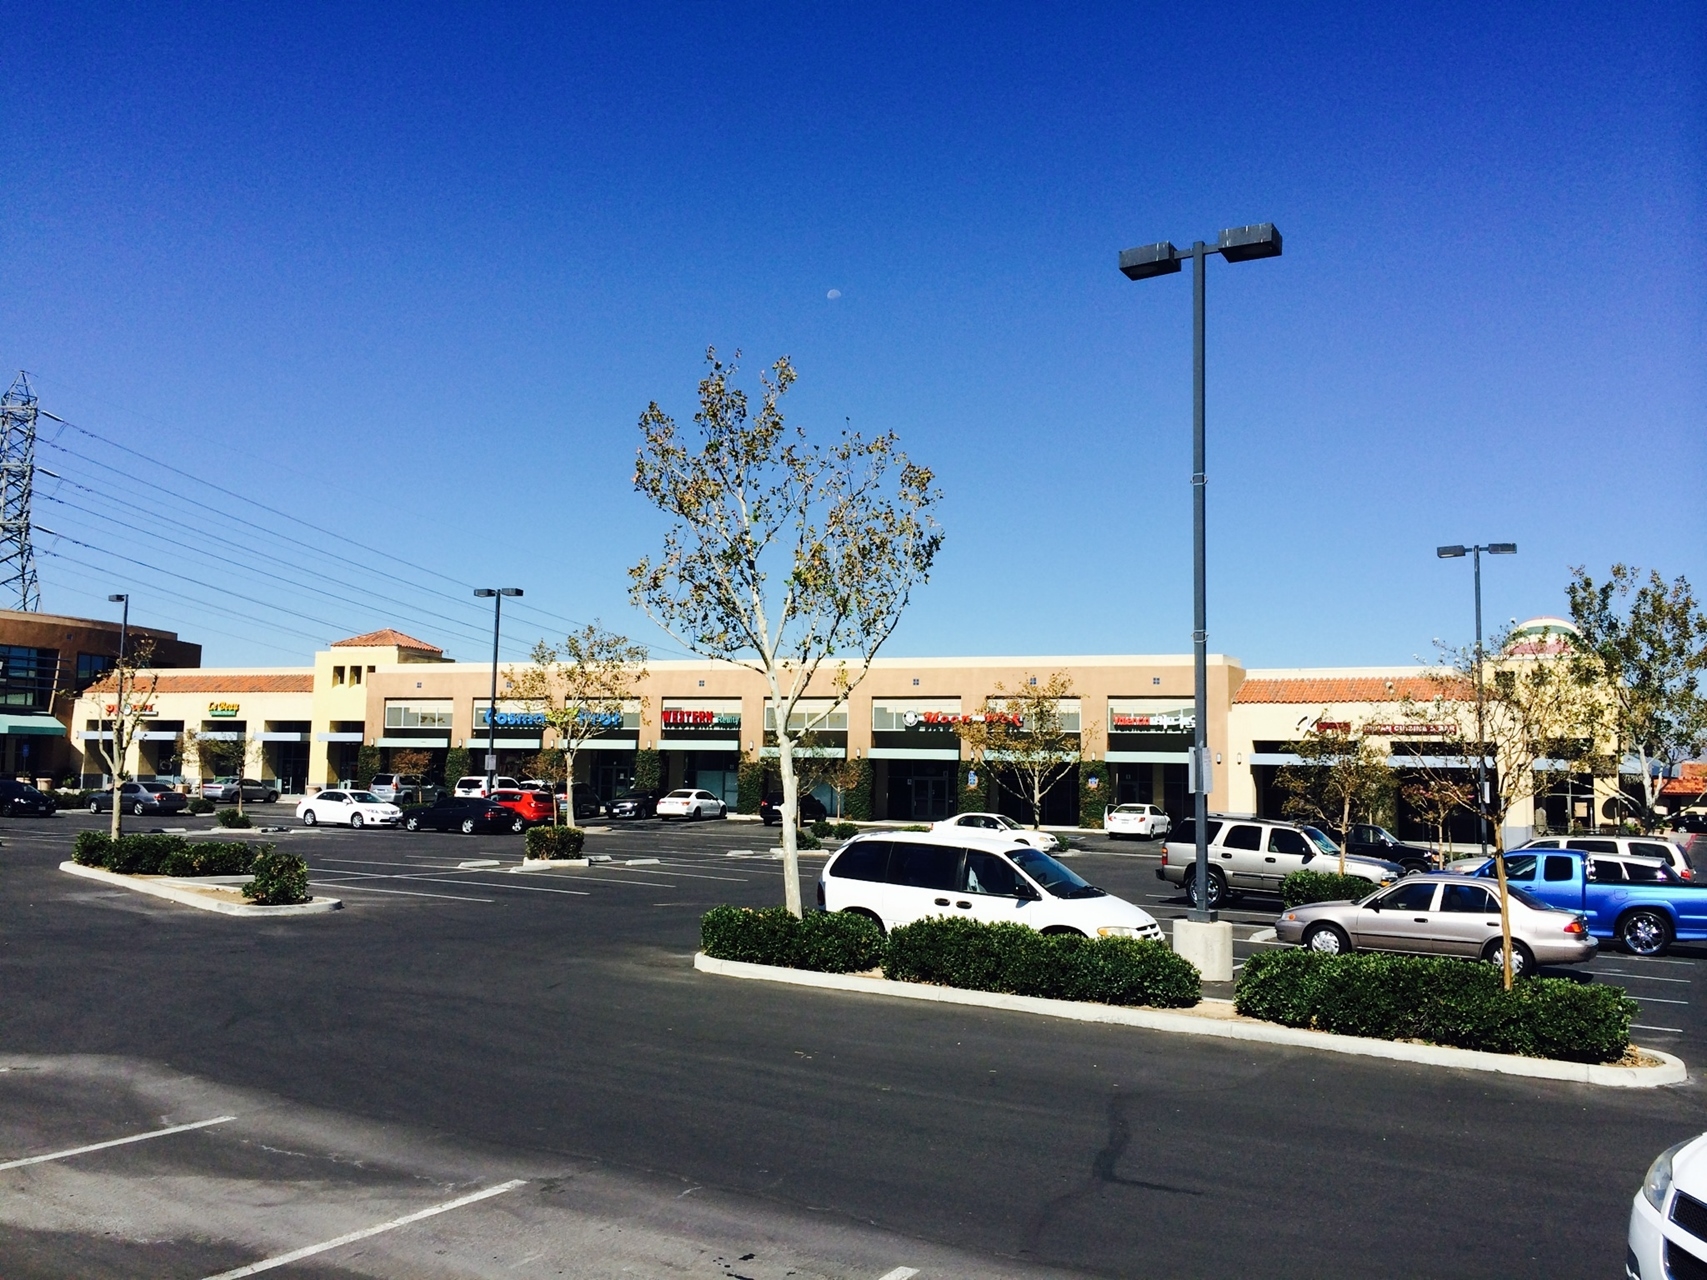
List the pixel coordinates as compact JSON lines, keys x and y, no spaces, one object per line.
{"x":308,"y":1251}
{"x":409,"y":893}
{"x":115,"y":1142}
{"x":900,"y":1273}
{"x":1645,"y":977}
{"x":1657,"y":1000}
{"x":1637,"y":1026}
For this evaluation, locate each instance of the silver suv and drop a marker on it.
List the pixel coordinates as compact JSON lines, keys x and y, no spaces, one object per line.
{"x":1257,"y":854}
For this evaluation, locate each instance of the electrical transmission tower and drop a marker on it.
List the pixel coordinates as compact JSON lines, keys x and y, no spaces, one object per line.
{"x":17,"y":480}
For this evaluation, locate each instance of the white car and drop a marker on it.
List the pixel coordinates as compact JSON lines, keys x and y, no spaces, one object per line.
{"x":1669,"y":851}
{"x":993,"y":823}
{"x":348,"y":809}
{"x":1668,"y":1221}
{"x":897,"y":877}
{"x":1136,"y":821}
{"x":476,"y":785}
{"x":691,"y":804}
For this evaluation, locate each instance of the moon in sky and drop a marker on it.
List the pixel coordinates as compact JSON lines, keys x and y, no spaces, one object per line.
{"x":833,"y":294}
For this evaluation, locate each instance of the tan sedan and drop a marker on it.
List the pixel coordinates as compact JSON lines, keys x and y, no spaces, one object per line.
{"x":1442,"y":915}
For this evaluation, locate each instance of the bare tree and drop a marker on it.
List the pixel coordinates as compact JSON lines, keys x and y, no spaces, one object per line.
{"x":227,"y":750}
{"x":783,"y":552}
{"x":1021,"y":732}
{"x":131,"y":684}
{"x":1342,"y":777}
{"x":1438,"y":796}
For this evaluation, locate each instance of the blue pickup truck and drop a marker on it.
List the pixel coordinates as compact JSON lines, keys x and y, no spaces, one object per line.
{"x":1645,"y":916}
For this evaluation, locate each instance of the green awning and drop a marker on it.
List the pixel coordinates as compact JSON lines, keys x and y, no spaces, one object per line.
{"x":46,"y":726}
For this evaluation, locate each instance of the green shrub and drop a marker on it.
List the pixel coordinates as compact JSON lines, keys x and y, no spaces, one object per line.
{"x":822,"y":828}
{"x":750,"y":785}
{"x":89,"y":849}
{"x":806,"y":840}
{"x":457,"y":765}
{"x":649,"y":772}
{"x":141,"y":855}
{"x":232,"y":818}
{"x":200,"y":805}
{"x":555,"y":842}
{"x":1440,"y":1000}
{"x":826,"y":941}
{"x":213,"y":859}
{"x":844,"y":831}
{"x":1018,"y":960}
{"x":917,"y":826}
{"x":280,"y":879}
{"x":1300,"y":887}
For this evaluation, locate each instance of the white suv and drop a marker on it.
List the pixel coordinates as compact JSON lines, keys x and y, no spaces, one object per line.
{"x":1668,"y":1219}
{"x":1623,"y":846}
{"x":476,"y":786}
{"x":897,"y":877}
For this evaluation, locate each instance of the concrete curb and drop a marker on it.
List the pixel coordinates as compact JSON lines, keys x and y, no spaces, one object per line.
{"x":189,"y":898}
{"x":1672,"y":1070}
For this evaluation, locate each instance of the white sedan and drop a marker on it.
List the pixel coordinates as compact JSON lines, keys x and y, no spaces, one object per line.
{"x":1138,"y":821}
{"x":348,"y":809}
{"x":692,"y":805}
{"x":1668,"y":1220}
{"x":996,"y":822}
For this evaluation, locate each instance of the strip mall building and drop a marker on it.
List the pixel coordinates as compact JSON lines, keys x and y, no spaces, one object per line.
{"x":703,"y":720}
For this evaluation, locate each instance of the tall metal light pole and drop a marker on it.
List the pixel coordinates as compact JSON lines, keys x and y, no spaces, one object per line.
{"x":1456,"y":553}
{"x":124,"y":624}
{"x":1238,"y":244}
{"x":496,"y":594}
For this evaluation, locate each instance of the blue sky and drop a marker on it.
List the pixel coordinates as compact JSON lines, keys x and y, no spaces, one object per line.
{"x":411,"y":276}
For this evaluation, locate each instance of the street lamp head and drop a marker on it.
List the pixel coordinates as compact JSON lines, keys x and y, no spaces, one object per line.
{"x":1450,"y":553}
{"x":1149,"y":260}
{"x":510,"y":591}
{"x":1502,"y":548}
{"x":484,"y":593}
{"x":117,"y":599}
{"x":1241,"y":244}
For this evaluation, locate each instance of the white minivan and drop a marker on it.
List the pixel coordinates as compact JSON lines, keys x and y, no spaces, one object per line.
{"x":897,"y":877}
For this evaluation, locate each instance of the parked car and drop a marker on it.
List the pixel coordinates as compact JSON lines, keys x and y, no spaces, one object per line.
{"x":20,"y":799}
{"x":587,"y":802}
{"x":1443,"y":915}
{"x":1367,"y":840}
{"x":1136,"y":822}
{"x":635,"y":804}
{"x":140,"y":798}
{"x":1667,"y":1239}
{"x":1674,"y":852}
{"x":529,"y":807}
{"x":347,"y":809}
{"x":897,"y":877}
{"x":395,"y":787}
{"x":467,"y":814}
{"x":1646,"y":917}
{"x":224,"y":790}
{"x":475,"y":785}
{"x":692,"y":804}
{"x":811,"y":809}
{"x":1256,"y":853}
{"x":1004,"y":825}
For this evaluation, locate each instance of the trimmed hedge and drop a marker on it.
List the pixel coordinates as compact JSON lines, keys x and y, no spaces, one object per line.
{"x":161,"y":855}
{"x":1300,"y":887}
{"x":554,"y":842}
{"x":1439,"y":1000}
{"x":232,"y":818}
{"x":200,"y":805}
{"x":281,"y":879}
{"x":844,"y":831}
{"x":1016,"y":959}
{"x":826,"y":941}
{"x":213,"y":859}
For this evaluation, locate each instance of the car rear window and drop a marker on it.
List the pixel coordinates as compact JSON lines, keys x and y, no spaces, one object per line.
{"x":1593,"y":846}
{"x":925,"y":866}
{"x":1243,"y":836}
{"x":1649,"y":849}
{"x":863,"y":860}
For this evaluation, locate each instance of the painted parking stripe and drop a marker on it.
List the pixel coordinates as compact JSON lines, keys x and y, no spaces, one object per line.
{"x":1637,"y":1026}
{"x":900,"y":1273}
{"x":1657,"y":1000}
{"x":308,"y":1251}
{"x":347,"y":883}
{"x":115,"y":1142}
{"x":1645,"y":977}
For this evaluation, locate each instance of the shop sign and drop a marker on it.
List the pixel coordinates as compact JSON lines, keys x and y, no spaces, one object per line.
{"x":676,"y":718}
{"x":112,"y":709}
{"x":223,"y":710}
{"x":597,"y":719}
{"x":1333,"y":726}
{"x":518,"y":720}
{"x":948,"y":719}
{"x":1135,"y":722}
{"x":1410,"y":730}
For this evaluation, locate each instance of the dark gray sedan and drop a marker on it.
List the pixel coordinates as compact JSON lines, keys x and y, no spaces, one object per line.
{"x":140,"y":798}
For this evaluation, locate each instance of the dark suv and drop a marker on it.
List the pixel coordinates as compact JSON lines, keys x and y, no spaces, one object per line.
{"x":1370,"y":841}
{"x":635,"y":804}
{"x":20,"y":799}
{"x":811,"y":809}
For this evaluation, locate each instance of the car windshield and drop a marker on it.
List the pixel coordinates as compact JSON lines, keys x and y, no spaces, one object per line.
{"x":1321,"y":840}
{"x":1054,"y":877}
{"x":365,"y":797}
{"x":1529,"y":899}
{"x":680,"y":795}
{"x":1130,"y":808}
{"x":1011,"y":825}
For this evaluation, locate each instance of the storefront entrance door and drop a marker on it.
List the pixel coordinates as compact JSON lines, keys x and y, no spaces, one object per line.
{"x":930,"y":799}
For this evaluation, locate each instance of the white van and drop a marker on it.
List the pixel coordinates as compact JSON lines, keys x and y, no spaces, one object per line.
{"x":476,"y":785}
{"x":897,"y":877}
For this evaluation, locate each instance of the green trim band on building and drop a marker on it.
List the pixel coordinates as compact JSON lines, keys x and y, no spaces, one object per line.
{"x":424,"y":744}
{"x":43,"y":726}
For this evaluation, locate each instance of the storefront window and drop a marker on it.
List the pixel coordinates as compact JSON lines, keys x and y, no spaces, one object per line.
{"x":27,"y":676}
{"x":432,"y":713}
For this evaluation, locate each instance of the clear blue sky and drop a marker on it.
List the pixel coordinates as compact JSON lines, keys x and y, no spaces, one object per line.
{"x":411,"y":274}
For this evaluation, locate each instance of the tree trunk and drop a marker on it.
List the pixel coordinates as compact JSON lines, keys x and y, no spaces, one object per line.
{"x":116,"y":826}
{"x":1505,"y":902}
{"x":790,"y":810}
{"x":1345,"y":828}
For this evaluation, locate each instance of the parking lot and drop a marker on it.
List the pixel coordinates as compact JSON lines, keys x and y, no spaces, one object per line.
{"x":540,"y":1041}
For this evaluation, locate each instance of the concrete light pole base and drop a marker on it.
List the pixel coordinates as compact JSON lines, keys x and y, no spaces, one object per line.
{"x":1208,"y":944}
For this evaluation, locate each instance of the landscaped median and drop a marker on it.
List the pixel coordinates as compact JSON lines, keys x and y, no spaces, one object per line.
{"x":1440,"y":1012}
{"x":229,"y":877}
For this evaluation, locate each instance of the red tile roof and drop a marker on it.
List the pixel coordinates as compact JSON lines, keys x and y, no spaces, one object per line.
{"x":386,"y":638}
{"x":1328,"y":689}
{"x":204,"y":682}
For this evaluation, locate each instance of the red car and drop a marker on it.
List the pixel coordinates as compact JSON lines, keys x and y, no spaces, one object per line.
{"x":530,"y":807}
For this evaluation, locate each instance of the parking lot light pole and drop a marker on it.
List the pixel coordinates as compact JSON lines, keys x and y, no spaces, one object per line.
{"x":118,"y":678}
{"x":496,"y":594}
{"x":1237,"y":244}
{"x":1456,"y":552}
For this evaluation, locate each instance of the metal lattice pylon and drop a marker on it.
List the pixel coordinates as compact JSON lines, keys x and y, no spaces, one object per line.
{"x":17,"y":481}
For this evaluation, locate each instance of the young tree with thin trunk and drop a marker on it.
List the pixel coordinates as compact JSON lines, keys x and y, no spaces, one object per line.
{"x":1438,"y":797}
{"x":1342,"y":778}
{"x":132,"y":685}
{"x":1641,"y":653}
{"x":227,"y":753}
{"x":790,"y":557}
{"x":581,"y":688}
{"x":1021,"y":732}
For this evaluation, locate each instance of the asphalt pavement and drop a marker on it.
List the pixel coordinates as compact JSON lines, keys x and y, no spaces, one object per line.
{"x":459,"y":1029}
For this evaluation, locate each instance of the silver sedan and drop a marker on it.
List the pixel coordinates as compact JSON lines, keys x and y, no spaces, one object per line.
{"x":1442,"y":915}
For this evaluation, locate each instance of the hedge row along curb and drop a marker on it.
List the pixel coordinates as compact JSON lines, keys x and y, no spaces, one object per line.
{"x":187,"y":896}
{"x":1301,"y":887}
{"x":1672,"y":1070}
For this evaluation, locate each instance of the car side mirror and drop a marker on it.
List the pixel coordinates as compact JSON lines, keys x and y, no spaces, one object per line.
{"x":1308,"y":854}
{"x":1375,"y":906}
{"x":1026,"y":893}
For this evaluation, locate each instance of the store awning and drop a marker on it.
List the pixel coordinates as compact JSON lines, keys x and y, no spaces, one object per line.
{"x":43,"y":726}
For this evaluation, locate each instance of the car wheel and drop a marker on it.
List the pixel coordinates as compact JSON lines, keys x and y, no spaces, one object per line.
{"x":411,"y":823}
{"x":308,"y":818}
{"x":1522,"y":958}
{"x":467,"y":827}
{"x":139,"y":808}
{"x":355,"y":821}
{"x":769,"y":823}
{"x":1328,"y":940}
{"x":94,"y":807}
{"x":272,"y":797}
{"x":1060,"y":931}
{"x":1217,"y":887}
{"x":722,"y":811}
{"x":693,"y":814}
{"x":1415,"y":868}
{"x":1645,"y":933}
{"x":866,"y":915}
{"x":518,"y":824}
